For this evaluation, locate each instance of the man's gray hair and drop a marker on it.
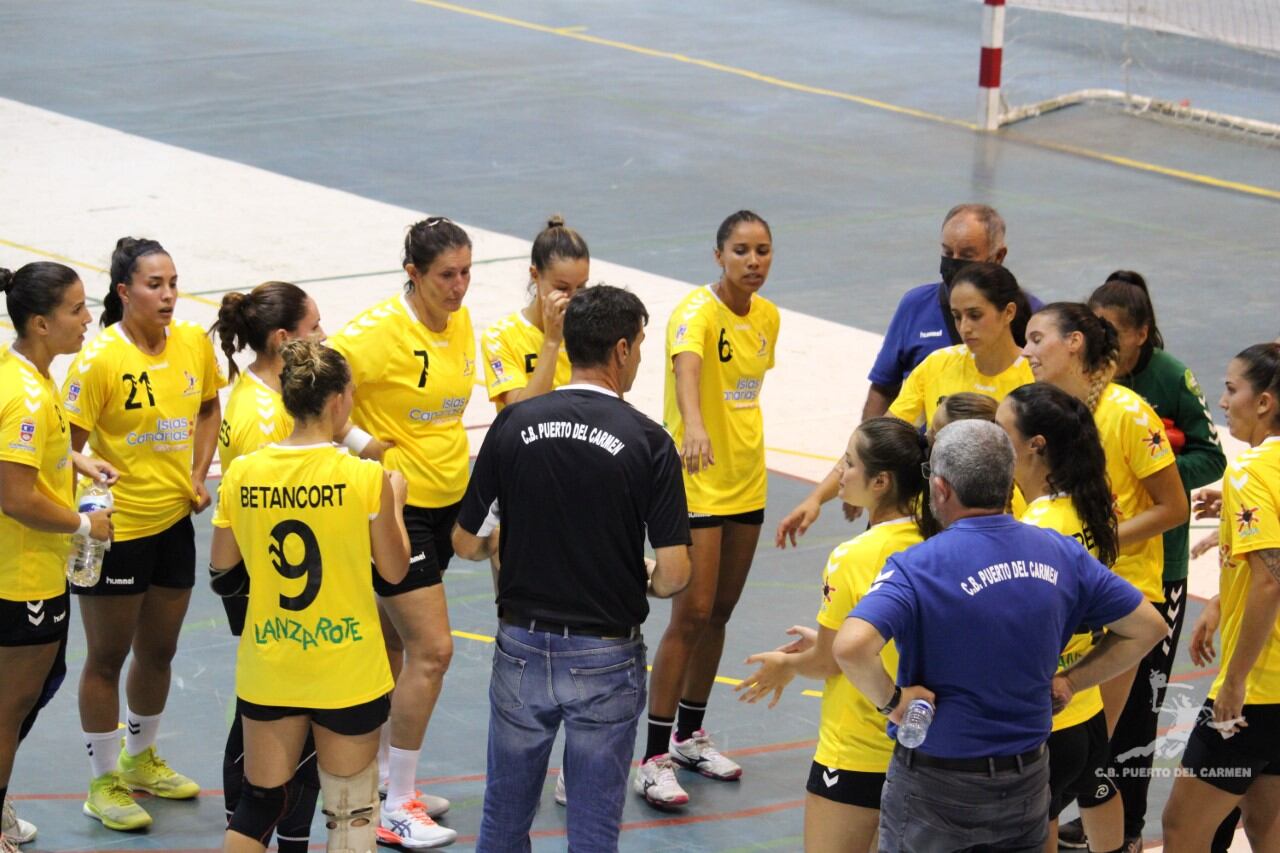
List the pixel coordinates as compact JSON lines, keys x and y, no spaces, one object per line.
{"x":987,"y":216}
{"x":976,"y":458}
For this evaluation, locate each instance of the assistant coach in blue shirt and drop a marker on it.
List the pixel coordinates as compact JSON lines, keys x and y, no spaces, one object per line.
{"x":979,"y":614}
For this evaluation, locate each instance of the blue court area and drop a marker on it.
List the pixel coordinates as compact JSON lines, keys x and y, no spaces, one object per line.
{"x":846,"y":124}
{"x":762,"y":811}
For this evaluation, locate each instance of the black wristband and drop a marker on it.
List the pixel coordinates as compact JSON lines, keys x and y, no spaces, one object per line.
{"x":888,"y":707}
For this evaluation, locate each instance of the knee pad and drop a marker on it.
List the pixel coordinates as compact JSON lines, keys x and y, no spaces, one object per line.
{"x":351,"y":810}
{"x":259,"y":810}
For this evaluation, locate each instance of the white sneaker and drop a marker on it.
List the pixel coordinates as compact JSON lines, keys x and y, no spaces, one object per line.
{"x":656,"y":782}
{"x":13,"y":827}
{"x":410,"y":826}
{"x":436,"y":806}
{"x":562,"y":794}
{"x":698,"y":754}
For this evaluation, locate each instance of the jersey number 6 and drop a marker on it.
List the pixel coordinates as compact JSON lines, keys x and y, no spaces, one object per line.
{"x":725,"y":349}
{"x":309,"y":565}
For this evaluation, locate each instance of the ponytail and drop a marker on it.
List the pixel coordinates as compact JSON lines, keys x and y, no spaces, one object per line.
{"x":249,"y":319}
{"x":1101,"y":344}
{"x":34,"y":290}
{"x":124,"y":260}
{"x":1075,"y":458}
{"x":1127,"y":292}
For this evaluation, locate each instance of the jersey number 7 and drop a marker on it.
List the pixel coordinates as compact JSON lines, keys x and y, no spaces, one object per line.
{"x":422,"y":354}
{"x":309,"y":566}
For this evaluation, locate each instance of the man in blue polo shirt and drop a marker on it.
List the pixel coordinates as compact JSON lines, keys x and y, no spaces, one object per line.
{"x":979,"y":614}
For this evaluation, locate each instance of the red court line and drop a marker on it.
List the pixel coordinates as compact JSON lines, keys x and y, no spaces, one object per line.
{"x":762,"y":749}
{"x":1194,"y":674}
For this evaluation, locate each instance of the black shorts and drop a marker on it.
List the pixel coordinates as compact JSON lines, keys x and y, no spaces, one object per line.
{"x":34,"y":623}
{"x":1079,"y":759}
{"x":166,"y":559}
{"x":356,"y":720}
{"x":849,"y":787}
{"x":1231,"y":765}
{"x":430,"y":548}
{"x":702,"y":520}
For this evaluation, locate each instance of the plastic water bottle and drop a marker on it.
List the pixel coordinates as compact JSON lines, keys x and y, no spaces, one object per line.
{"x":915,"y":723}
{"x":84,"y":563}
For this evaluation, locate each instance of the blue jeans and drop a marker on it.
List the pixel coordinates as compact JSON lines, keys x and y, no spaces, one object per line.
{"x":596,"y":687}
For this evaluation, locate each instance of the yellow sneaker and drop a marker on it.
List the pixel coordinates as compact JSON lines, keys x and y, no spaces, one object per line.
{"x":109,"y":802}
{"x":148,"y":772}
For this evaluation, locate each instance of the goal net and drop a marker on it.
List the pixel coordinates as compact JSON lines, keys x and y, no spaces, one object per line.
{"x":1216,"y":62}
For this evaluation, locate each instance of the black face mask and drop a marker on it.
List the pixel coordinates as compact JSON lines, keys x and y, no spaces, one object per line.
{"x":949,"y":267}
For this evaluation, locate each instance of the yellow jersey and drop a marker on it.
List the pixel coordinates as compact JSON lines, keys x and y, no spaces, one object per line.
{"x":301,"y":518}
{"x":948,"y":371}
{"x":1057,"y":512}
{"x":254,"y":416}
{"x":510,"y":348}
{"x":852,"y":735}
{"x":412,"y":386}
{"x":140,"y":412}
{"x":34,"y":432}
{"x":1250,"y":522}
{"x":736,"y":352}
{"x":1136,"y":446}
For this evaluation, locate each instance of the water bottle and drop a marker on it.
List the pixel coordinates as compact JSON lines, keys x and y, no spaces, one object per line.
{"x":84,"y":563}
{"x":915,"y":723}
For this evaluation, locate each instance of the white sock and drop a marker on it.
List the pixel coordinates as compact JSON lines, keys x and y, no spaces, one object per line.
{"x":403,"y":765}
{"x":384,"y":753}
{"x":140,"y":732}
{"x":104,"y":748}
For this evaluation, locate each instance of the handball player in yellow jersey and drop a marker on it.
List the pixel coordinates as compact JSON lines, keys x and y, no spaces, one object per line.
{"x":264,"y":319}
{"x":306,"y":518}
{"x":413,"y":361}
{"x":1233,"y":754}
{"x":1069,"y":347}
{"x":989,"y":310}
{"x":46,"y":305}
{"x":144,"y":394}
{"x":720,"y":343}
{"x":524,"y":354}
{"x":883,"y":474}
{"x":1061,"y":470}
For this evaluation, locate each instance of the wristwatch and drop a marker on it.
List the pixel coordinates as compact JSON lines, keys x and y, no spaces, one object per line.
{"x":888,"y":707}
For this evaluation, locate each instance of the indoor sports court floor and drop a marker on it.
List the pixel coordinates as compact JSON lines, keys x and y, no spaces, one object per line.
{"x":297,"y":140}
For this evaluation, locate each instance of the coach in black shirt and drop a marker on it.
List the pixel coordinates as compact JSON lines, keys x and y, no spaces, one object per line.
{"x":579,"y":476}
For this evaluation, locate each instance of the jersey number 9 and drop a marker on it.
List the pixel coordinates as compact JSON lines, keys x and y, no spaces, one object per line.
{"x":309,"y":566}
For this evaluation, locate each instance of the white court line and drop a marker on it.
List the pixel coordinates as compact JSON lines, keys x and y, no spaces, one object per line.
{"x":74,"y":187}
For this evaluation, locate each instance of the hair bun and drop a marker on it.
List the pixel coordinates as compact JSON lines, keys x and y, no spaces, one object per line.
{"x":6,"y":280}
{"x":555,"y":221}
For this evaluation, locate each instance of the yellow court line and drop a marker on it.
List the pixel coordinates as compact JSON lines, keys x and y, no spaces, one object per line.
{"x":720,"y":679}
{"x":803,"y":454}
{"x":54,"y":256}
{"x":1115,"y":160}
{"x":572,"y":33}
